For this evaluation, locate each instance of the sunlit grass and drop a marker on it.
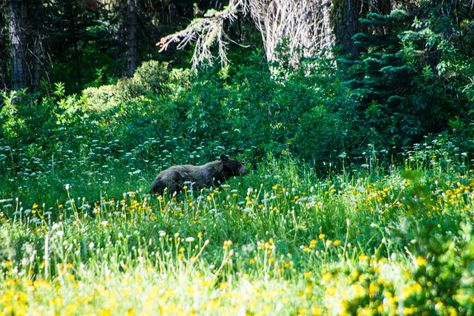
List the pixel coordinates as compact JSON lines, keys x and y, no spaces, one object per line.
{"x":279,"y":241}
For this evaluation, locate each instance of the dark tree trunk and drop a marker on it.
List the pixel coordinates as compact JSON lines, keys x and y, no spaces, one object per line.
{"x":3,"y":51}
{"x":19,"y":72}
{"x":383,"y":6}
{"x":346,"y":24}
{"x":35,"y":46}
{"x":131,"y":37}
{"x":36,"y":75}
{"x":72,"y":16}
{"x":3,"y":81}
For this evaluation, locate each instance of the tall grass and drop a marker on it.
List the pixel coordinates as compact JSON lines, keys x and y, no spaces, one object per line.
{"x":85,"y":237}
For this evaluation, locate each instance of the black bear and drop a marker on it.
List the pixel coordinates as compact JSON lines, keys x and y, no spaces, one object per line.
{"x":210,"y":174}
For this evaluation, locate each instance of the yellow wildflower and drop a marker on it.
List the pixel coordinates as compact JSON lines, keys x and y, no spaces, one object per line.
{"x":420,"y":261}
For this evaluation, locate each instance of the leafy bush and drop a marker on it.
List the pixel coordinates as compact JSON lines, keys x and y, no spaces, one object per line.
{"x":321,"y":136}
{"x":26,"y":119}
{"x":100,"y":99}
{"x":248,"y":110}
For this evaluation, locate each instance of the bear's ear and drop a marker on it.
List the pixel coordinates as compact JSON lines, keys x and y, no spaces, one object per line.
{"x":224,"y":158}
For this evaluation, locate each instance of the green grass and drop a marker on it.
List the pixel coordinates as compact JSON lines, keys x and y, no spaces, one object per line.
{"x":85,"y":238}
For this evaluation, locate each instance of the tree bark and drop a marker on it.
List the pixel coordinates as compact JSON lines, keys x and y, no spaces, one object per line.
{"x":3,"y":82}
{"x":383,"y":6}
{"x":3,"y":51}
{"x":36,"y":17}
{"x":346,"y":14}
{"x":36,"y":76}
{"x":131,"y":37}
{"x":19,"y":74}
{"x":71,"y":15}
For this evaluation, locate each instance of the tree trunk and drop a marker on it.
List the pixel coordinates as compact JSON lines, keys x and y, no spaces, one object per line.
{"x":131,"y":37}
{"x":36,"y":76}
{"x":3,"y":51}
{"x":383,"y":6}
{"x":19,"y":75}
{"x":36,"y":16}
{"x":3,"y":80}
{"x":71,"y":15}
{"x":346,"y":14}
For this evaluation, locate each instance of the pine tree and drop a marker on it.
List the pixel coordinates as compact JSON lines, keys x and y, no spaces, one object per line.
{"x":397,"y":79}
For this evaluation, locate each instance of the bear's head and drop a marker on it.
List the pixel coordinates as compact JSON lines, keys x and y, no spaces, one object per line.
{"x":233,"y":167}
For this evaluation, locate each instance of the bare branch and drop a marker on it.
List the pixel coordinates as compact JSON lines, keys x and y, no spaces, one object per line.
{"x":206,"y":32}
{"x":303,"y":25}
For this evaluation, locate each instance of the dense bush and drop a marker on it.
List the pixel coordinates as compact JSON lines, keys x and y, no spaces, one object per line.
{"x":408,"y":82}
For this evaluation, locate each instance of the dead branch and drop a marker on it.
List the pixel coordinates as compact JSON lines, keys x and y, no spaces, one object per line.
{"x":302,"y":25}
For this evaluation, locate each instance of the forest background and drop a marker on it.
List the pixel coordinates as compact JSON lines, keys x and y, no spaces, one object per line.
{"x":385,"y":73}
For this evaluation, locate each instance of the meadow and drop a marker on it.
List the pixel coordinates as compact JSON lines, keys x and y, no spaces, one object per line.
{"x":82,"y":236}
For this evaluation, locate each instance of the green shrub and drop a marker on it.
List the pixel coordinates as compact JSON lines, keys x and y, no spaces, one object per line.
{"x":100,"y":99}
{"x":321,"y":136}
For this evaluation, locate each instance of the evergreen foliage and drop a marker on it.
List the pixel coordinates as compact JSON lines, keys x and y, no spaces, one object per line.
{"x":401,"y":79}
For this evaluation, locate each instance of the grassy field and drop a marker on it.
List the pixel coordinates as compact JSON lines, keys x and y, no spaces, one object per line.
{"x":79,"y":237}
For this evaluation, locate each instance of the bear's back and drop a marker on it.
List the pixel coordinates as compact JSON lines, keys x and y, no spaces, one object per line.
{"x":200,"y":176}
{"x":212,"y":173}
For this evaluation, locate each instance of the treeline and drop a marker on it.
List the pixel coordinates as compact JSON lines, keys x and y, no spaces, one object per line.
{"x":405,"y":74}
{"x":90,"y":42}
{"x":79,"y":41}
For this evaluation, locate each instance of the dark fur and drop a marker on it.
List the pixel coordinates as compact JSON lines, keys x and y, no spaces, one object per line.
{"x":212,"y":173}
